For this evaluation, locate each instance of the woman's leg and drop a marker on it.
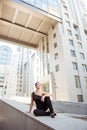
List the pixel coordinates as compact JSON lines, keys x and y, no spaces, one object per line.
{"x":48,"y":104}
{"x":39,"y":112}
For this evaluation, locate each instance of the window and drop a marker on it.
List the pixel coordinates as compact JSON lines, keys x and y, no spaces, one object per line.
{"x":48,"y":68}
{"x":71,"y":42}
{"x":75,"y":27}
{"x":5,"y":55}
{"x":53,"y":7}
{"x":42,"y":4}
{"x":85,"y":32}
{"x":77,"y":37}
{"x":63,"y":2}
{"x":20,"y":85}
{"x":47,"y":47}
{"x":29,"y":1}
{"x":56,"y":56}
{"x":73,"y":53}
{"x":4,"y":92}
{"x":2,"y":75}
{"x":69,"y":32}
{"x":53,"y":26}
{"x":54,"y":35}
{"x":77,"y":81}
{"x":85,"y":82}
{"x":68,"y":24}
{"x":75,"y":67}
{"x":20,"y":90}
{"x":80,"y":98}
{"x":77,"y":33}
{"x":65,"y":8}
{"x":45,"y":87}
{"x":79,"y":45}
{"x":84,"y":67}
{"x":55,"y":44}
{"x":66,"y":16}
{"x":5,"y":87}
{"x":82,"y":56}
{"x":1,"y":86}
{"x":57,"y":68}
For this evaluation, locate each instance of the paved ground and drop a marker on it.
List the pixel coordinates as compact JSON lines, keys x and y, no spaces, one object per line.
{"x":63,"y":121}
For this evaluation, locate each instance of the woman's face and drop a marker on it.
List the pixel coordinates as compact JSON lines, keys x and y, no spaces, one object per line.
{"x":38,"y":85}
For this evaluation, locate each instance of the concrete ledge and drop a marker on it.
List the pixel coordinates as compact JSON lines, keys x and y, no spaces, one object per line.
{"x":12,"y":118}
{"x":70,"y":107}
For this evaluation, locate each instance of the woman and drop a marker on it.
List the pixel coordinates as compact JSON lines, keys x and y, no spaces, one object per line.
{"x":42,"y":101}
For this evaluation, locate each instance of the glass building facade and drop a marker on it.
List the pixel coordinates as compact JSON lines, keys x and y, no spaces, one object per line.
{"x":5,"y":58}
{"x":5,"y":55}
{"x":50,"y":6}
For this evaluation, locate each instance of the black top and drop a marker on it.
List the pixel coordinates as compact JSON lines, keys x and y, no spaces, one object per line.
{"x":38,"y":102}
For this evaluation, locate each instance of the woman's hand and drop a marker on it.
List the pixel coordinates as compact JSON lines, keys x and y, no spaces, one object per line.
{"x":45,"y":95}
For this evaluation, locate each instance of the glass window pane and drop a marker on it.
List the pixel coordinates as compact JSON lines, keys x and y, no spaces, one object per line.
{"x":42,"y":5}
{"x":71,"y":42}
{"x":53,"y":7}
{"x":77,"y":82}
{"x":56,"y":56}
{"x":75,"y":67}
{"x":82,"y":56}
{"x":55,"y":44}
{"x":73,"y":53}
{"x":84,"y":67}
{"x":85,"y":82}
{"x":80,"y":98}
{"x":57,"y":68}
{"x":29,"y":1}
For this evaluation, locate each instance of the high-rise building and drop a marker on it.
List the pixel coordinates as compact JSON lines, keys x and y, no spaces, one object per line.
{"x":28,"y":71}
{"x":5,"y":57}
{"x":8,"y":71}
{"x":19,"y":90}
{"x":63,"y":62}
{"x":57,"y":29}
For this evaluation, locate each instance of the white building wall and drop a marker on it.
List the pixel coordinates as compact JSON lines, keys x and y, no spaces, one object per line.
{"x":64,"y":78}
{"x":60,"y":77}
{"x":64,"y":83}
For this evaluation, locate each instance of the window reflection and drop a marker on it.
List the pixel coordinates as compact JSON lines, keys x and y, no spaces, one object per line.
{"x":50,"y":6}
{"x":29,"y":1}
{"x":42,"y":4}
{"x":53,"y":7}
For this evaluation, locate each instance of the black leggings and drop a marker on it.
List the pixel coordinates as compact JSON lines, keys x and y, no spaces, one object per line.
{"x":46,"y":105}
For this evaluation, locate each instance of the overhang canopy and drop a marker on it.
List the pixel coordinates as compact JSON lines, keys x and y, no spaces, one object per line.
{"x":21,"y":24}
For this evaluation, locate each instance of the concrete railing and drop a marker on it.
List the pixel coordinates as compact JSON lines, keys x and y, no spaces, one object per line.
{"x":12,"y":118}
{"x":70,"y":107}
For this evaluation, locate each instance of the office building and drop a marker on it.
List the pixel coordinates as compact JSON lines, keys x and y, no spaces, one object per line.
{"x":57,"y":29}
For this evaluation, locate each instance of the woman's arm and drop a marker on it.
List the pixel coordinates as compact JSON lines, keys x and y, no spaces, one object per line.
{"x":31,"y":104}
{"x":45,"y":94}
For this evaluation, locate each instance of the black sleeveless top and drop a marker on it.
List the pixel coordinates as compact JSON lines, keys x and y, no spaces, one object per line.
{"x":38,"y":102}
